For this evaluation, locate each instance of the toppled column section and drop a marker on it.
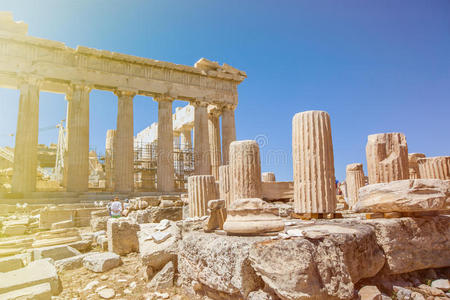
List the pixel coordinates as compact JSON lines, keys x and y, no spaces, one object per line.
{"x":354,"y":180}
{"x":312,"y":150}
{"x":413,"y":166}
{"x":245,"y":170}
{"x":224,"y":185}
{"x":387,"y":157}
{"x":268,"y":177}
{"x":437,"y":167}
{"x":412,"y":195}
{"x":201,"y":189}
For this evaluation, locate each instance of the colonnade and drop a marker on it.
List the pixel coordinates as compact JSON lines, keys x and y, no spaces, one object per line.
{"x":208,"y":150}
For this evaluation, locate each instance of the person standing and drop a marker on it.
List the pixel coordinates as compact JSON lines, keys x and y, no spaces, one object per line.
{"x":116,"y":208}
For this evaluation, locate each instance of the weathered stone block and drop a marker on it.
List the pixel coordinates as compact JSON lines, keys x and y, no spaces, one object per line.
{"x":63,"y":224}
{"x":277,"y":190}
{"x":122,"y":236}
{"x":41,"y":291}
{"x":156,"y":254}
{"x":101,"y":262}
{"x":10,"y":263}
{"x":404,"y":196}
{"x":326,"y":262}
{"x":99,"y":222}
{"x":55,"y":252}
{"x":411,"y":244}
{"x":37,"y":272}
{"x":48,"y":216}
{"x":218,"y":265}
{"x":70,"y":263}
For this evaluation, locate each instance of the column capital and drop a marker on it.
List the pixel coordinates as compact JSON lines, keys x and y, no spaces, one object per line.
{"x":163,"y":98}
{"x":77,"y":85}
{"x":228,"y":107}
{"x":125,"y":92}
{"x":198,"y":103}
{"x":27,"y":78}
{"x":214,"y":111}
{"x":80,"y":85}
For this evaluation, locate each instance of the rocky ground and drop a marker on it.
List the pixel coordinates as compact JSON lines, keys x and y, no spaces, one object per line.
{"x":124,"y":282}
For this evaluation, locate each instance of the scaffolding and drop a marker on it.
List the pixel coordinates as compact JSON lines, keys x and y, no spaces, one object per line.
{"x":146,"y":164}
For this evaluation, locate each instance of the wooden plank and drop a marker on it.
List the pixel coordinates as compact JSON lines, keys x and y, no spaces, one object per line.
{"x":392,"y":215}
{"x":370,"y":216}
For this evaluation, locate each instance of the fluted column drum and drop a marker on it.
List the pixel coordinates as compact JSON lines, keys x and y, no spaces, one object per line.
{"x":387,"y":157}
{"x":354,"y":180}
{"x":214,"y":142}
{"x":245,"y":170}
{"x":413,"y":166}
{"x":313,"y":162}
{"x":437,"y":167}
{"x":224,"y":185}
{"x":201,"y":189}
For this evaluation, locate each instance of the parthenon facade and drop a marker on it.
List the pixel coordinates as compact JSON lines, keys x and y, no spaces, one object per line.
{"x":33,"y":64}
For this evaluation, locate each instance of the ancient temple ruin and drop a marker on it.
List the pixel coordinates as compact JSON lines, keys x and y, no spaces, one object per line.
{"x":32,"y":64}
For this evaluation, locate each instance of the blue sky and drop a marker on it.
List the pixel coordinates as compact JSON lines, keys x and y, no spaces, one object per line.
{"x":374,"y":66}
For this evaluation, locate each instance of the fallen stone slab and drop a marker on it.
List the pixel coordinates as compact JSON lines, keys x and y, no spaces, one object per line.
{"x":14,"y":229}
{"x":404,"y":196}
{"x":82,"y":246}
{"x":10,"y":251}
{"x":55,"y":252}
{"x":411,"y":244}
{"x":37,"y":272}
{"x":164,"y":278}
{"x":326,"y":262}
{"x":157,"y":214}
{"x":10,"y":263}
{"x":70,"y":263}
{"x":122,"y":236}
{"x":41,"y":291}
{"x":101,"y":262}
{"x":51,"y":215}
{"x":218,"y":265}
{"x":63,"y":224}
{"x":99,"y":222}
{"x":157,"y":254}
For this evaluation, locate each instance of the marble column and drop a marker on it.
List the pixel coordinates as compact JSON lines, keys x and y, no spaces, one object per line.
{"x":413,"y":166}
{"x":245,"y":170}
{"x":312,"y":156}
{"x":228,"y":132}
{"x":201,"y":189}
{"x":25,"y":149}
{"x":387,"y":157}
{"x":165,"y":169}
{"x":225,"y":185}
{"x":214,"y":141}
{"x":109,"y":161}
{"x":78,"y":138}
{"x":354,"y":180}
{"x":437,"y":167}
{"x":202,"y":158}
{"x":124,"y":143}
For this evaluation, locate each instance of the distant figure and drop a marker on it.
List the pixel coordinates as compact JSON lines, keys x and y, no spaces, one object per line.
{"x":116,"y":208}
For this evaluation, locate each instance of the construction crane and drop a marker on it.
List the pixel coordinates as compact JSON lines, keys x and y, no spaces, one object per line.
{"x":58,"y":171}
